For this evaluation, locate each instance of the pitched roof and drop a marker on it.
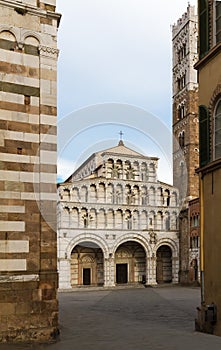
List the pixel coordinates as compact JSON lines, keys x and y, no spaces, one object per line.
{"x":120,"y":149}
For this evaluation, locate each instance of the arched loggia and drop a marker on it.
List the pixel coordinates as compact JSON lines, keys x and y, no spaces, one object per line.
{"x":87,"y":265}
{"x":130,"y":263}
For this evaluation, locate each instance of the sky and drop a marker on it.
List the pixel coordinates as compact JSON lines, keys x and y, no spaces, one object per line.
{"x":115,"y":57}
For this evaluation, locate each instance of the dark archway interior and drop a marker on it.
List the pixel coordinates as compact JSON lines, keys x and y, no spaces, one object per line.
{"x":130,"y":263}
{"x":164,"y":265}
{"x":87,"y":265}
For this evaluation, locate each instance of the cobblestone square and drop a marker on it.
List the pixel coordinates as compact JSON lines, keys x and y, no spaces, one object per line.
{"x":129,"y":319}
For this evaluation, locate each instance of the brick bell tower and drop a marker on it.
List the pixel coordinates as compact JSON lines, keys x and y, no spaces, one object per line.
{"x":185,"y":105}
{"x":185,"y":124}
{"x":28,"y":110}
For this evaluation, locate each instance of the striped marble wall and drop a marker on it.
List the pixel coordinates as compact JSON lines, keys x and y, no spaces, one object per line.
{"x":28,"y":143}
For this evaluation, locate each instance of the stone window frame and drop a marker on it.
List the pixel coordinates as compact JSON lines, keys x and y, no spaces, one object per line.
{"x":215,"y":99}
{"x":217,"y":140}
{"x":204,"y":28}
{"x":215,"y":19}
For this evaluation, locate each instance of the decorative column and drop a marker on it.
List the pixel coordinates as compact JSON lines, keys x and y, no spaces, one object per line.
{"x":109,"y":271}
{"x":152,"y":260}
{"x":175,"y":269}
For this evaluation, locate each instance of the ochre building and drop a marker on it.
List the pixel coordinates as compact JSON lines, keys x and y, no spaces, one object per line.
{"x":28,"y":249}
{"x":117,"y":223}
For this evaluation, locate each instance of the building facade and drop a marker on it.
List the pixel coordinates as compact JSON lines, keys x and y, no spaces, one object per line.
{"x":28,"y":263}
{"x":185,"y":126}
{"x":208,"y":67}
{"x":194,"y":233}
{"x":117,"y":224}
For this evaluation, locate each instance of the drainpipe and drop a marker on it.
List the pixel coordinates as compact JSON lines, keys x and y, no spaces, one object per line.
{"x":202,"y":239}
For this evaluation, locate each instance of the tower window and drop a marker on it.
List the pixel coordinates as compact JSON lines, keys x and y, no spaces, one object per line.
{"x":179,"y":113}
{"x":27,"y":100}
{"x":182,"y":139}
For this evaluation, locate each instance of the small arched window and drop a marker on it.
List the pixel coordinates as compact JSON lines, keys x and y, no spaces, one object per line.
{"x":182,"y":139}
{"x":179,"y":113}
{"x":217,"y":130}
{"x":183,"y":111}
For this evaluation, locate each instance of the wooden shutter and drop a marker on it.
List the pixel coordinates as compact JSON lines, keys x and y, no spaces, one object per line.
{"x":203,"y":27}
{"x":204,"y":136}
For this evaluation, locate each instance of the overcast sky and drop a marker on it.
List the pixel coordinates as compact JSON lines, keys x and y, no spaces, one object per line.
{"x":114,"y":51}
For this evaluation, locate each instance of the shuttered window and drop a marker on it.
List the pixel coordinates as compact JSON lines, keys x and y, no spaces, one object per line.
{"x":204,"y":27}
{"x":218,"y":21}
{"x":204,"y":136}
{"x":217,"y":131}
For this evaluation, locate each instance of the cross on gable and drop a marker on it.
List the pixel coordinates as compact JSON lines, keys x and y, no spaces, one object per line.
{"x":121,"y":135}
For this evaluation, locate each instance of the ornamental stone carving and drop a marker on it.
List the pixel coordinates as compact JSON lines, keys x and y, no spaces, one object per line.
{"x":48,"y":51}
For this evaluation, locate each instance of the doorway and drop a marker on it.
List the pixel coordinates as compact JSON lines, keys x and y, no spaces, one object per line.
{"x":121,"y":273}
{"x":87,"y":265}
{"x":164,"y":265}
{"x":86,"y":276}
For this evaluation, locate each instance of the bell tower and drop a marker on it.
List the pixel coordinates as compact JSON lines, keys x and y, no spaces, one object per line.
{"x":185,"y":130}
{"x":28,"y":110}
{"x":185,"y":105}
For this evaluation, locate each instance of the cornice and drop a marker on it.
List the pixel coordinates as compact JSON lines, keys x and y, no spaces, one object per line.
{"x":124,"y":207}
{"x":212,"y":166}
{"x":208,"y":57}
{"x":34,"y":10}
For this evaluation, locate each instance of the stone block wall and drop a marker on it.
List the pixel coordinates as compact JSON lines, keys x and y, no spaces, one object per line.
{"x":28,"y":251}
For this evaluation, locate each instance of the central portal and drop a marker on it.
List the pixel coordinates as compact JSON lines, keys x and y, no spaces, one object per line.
{"x":86,"y":277}
{"x":130,"y":262}
{"x":121,"y":273}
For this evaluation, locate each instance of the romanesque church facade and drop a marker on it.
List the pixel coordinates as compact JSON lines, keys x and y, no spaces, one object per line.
{"x":117,"y":224}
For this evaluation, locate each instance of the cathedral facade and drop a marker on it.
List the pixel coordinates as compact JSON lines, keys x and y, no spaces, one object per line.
{"x":117,"y":224}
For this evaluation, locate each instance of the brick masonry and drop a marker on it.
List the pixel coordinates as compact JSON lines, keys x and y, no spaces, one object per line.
{"x":185,"y":127}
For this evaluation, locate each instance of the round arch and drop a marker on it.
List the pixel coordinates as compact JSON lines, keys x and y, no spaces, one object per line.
{"x":133,"y":238}
{"x":131,"y":260}
{"x":30,"y":34}
{"x":170,"y":243}
{"x":167,"y":264}
{"x":10,"y":30}
{"x":87,"y":238}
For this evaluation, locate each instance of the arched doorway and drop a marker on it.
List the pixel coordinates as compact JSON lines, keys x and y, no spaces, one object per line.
{"x":87,"y":265}
{"x":164,"y":265}
{"x":130,"y":263}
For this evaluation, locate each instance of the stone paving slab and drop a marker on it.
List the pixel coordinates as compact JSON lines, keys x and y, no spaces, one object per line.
{"x":129,"y":319}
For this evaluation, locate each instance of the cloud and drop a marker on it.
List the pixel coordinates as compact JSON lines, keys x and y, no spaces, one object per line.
{"x":116,"y":51}
{"x":65,"y":168}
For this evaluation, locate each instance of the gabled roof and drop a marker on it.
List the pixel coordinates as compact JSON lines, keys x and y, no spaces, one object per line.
{"x":120,"y":149}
